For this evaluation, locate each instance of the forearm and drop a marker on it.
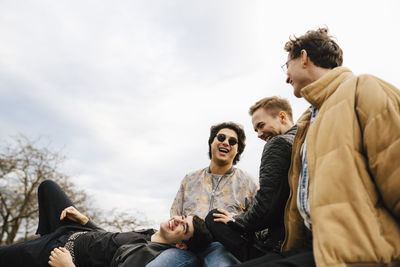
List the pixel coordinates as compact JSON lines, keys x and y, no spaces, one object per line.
{"x":272,"y":195}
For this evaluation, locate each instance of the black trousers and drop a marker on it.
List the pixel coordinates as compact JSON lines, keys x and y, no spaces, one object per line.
{"x":240,"y":244}
{"x":52,"y":201}
{"x":294,"y":258}
{"x":54,"y":233}
{"x":245,"y":250}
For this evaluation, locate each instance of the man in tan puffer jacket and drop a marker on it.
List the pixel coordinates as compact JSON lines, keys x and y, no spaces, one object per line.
{"x":344,"y":205}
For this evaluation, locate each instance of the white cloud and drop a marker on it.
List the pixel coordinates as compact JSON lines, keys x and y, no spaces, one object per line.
{"x":129,"y":89}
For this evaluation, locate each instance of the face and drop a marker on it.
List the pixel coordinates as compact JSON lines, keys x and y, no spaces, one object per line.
{"x":266,"y":125}
{"x":222,"y":152}
{"x":177,"y":229}
{"x":297,"y":75}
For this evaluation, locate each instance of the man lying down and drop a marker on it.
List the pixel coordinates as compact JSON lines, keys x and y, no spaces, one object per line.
{"x":68,"y":238}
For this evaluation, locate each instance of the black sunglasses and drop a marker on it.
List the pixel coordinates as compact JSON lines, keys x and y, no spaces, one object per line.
{"x":232,"y":141}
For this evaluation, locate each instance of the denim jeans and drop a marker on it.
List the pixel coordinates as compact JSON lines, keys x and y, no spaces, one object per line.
{"x":215,"y":255}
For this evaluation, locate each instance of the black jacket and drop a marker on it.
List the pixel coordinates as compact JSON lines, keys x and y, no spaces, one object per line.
{"x":137,"y":255}
{"x":270,"y":200}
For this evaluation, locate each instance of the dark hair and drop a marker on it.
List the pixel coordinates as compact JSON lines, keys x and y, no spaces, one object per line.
{"x":233,"y":126}
{"x":201,"y":235}
{"x":321,"y":48}
{"x":273,"y":105}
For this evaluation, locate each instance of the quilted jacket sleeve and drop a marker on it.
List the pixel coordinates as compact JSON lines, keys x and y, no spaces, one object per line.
{"x":378,"y":109}
{"x":271,"y":198}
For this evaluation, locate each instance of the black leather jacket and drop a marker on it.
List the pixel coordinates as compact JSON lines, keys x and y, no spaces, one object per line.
{"x":270,"y":200}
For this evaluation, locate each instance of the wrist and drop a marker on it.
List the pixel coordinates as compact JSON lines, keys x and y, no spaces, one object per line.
{"x":84,"y":220}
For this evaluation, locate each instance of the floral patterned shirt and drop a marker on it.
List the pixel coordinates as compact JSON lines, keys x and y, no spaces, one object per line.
{"x":202,"y":191}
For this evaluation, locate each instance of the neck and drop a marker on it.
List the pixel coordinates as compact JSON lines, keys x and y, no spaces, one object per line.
{"x":288,"y":125}
{"x":318,"y":72}
{"x":219,"y":169}
{"x":156,"y":237}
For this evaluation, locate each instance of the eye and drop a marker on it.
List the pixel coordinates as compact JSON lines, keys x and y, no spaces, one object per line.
{"x":221,"y":137}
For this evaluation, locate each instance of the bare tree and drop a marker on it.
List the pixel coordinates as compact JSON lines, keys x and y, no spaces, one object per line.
{"x":24,"y":164}
{"x":120,"y":221}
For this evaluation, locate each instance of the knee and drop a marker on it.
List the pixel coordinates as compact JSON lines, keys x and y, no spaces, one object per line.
{"x":45,"y":185}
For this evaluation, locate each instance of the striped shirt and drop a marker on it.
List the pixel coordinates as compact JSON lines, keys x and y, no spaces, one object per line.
{"x":303,"y":203}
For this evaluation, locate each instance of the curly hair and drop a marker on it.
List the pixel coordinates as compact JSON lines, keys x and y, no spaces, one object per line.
{"x":321,"y":48}
{"x":233,"y":126}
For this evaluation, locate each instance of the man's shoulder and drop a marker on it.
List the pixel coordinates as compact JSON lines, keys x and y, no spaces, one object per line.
{"x":242,"y":174}
{"x":282,"y":139}
{"x":195,"y":174}
{"x":371,"y":83}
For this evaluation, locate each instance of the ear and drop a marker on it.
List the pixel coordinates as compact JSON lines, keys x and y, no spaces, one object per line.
{"x":181,"y":246}
{"x":282,"y":117}
{"x":304,"y":57}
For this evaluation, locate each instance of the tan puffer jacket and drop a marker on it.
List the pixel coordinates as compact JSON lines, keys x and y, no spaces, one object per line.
{"x":353,"y":154}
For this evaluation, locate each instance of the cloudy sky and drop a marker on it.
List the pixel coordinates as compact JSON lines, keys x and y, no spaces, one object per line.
{"x":127,"y":90}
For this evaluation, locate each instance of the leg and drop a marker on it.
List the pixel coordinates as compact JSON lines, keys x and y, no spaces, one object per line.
{"x":18,"y":254}
{"x":217,"y":256}
{"x":294,"y":258}
{"x":33,"y":253}
{"x":174,"y":257}
{"x":233,"y":240}
{"x":52,"y":200}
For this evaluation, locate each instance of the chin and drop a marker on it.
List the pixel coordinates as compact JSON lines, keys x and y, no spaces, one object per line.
{"x":297,"y":93}
{"x":164,"y":226}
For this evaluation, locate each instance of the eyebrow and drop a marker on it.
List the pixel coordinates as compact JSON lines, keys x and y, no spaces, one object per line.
{"x":186,"y":228}
{"x":186,"y":225}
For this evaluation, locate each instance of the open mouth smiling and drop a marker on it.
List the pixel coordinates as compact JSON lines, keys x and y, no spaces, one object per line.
{"x":223,"y":150}
{"x":266,"y":137}
{"x":171,"y":225}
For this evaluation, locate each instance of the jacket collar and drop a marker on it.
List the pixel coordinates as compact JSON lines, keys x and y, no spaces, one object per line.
{"x":317,"y":92}
{"x":292,"y":130}
{"x":208,"y":171}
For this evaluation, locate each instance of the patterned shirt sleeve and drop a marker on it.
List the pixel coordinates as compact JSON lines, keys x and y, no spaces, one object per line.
{"x":177,"y":205}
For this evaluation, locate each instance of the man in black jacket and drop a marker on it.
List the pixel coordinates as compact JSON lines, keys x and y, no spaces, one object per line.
{"x":72,"y":240}
{"x":250,"y":234}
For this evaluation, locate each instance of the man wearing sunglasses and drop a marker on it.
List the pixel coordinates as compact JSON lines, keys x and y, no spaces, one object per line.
{"x":218,"y":185}
{"x":260,"y":229}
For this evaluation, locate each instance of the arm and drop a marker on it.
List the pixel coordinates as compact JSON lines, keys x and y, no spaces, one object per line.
{"x":74,"y":215}
{"x":378,"y":110}
{"x":270,"y":199}
{"x":177,"y":205}
{"x":60,"y":257}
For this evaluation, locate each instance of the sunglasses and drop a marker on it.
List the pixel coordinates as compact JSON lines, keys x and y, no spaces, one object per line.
{"x":232,"y":141}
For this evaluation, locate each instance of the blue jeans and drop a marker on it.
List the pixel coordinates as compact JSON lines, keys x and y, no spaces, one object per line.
{"x":215,"y":255}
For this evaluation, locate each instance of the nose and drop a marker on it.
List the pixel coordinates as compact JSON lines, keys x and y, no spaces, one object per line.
{"x":178,"y":220}
{"x":225,"y":142}
{"x":259,"y":134}
{"x":287,"y":79}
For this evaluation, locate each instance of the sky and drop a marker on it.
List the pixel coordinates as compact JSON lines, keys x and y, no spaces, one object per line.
{"x":127,"y":90}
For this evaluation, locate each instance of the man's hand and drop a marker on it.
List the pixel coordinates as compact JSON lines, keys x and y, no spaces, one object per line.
{"x":60,"y":257}
{"x":224,"y":216}
{"x":74,"y":215}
